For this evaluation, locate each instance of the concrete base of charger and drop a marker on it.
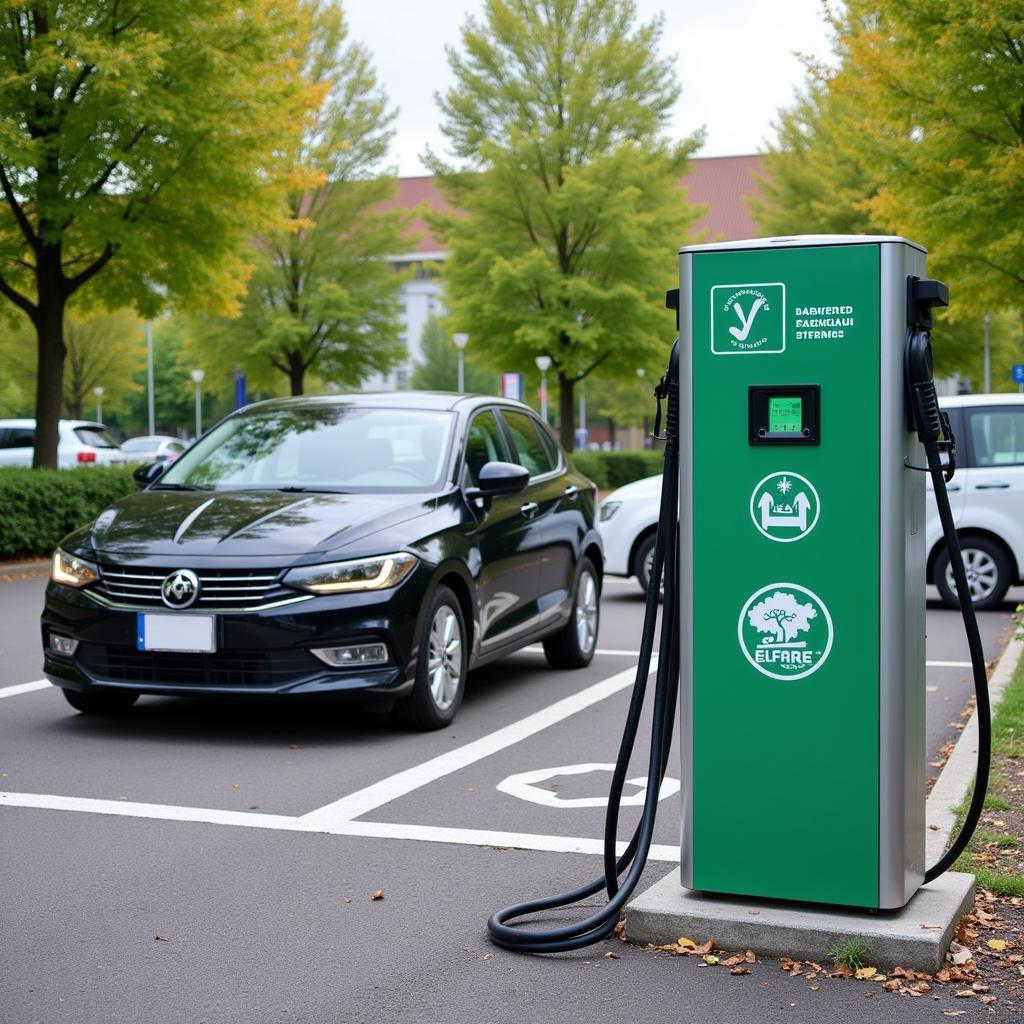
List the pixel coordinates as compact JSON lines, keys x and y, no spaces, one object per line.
{"x":917,"y":936}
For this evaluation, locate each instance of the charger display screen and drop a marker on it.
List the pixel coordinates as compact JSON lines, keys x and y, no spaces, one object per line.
{"x":785,"y":414}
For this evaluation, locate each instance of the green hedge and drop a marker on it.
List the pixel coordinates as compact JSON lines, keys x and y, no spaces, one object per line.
{"x":613,"y":469}
{"x":39,"y":506}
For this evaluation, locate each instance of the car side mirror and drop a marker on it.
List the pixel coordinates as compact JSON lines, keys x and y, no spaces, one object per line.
{"x":147,"y":473}
{"x":498,"y":478}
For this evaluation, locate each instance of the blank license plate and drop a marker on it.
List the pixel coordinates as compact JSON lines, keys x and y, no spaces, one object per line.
{"x":193,"y":633}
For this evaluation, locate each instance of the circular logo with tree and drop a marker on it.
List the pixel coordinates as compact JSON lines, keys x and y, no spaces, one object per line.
{"x":785,"y":631}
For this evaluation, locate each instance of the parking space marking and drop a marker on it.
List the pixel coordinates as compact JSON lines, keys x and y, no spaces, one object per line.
{"x":363,"y":801}
{"x":523,"y":786}
{"x":608,"y":652}
{"x":359,"y":829}
{"x":948,"y":664}
{"x":13,"y":691}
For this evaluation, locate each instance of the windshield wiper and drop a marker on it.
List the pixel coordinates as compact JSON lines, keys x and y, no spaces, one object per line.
{"x":310,"y":490}
{"x":182,"y":487}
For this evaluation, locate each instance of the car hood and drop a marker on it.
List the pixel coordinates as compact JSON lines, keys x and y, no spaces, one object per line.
{"x":649,"y":487}
{"x":247,"y":523}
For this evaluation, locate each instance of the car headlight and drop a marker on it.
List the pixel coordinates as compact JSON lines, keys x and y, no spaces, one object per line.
{"x":71,"y":570}
{"x":377,"y":573}
{"x":608,"y":509}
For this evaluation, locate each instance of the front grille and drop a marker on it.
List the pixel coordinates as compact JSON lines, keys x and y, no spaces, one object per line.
{"x":218,"y":588}
{"x":266,"y":669}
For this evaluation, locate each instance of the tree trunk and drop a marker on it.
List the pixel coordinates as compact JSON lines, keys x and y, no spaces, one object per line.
{"x":567,"y":411}
{"x":296,"y":372}
{"x":49,"y":323}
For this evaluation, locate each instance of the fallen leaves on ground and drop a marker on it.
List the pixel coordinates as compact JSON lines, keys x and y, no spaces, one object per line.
{"x":378,"y":894}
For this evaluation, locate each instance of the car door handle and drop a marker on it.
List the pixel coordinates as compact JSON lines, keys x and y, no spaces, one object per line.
{"x":571,"y":492}
{"x":991,"y":487}
{"x":530,"y":509}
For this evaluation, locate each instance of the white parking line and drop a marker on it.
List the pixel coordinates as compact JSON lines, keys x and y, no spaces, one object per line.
{"x":13,"y":691}
{"x":365,"y":800}
{"x":606,"y":651}
{"x":948,"y":664}
{"x":360,"y":829}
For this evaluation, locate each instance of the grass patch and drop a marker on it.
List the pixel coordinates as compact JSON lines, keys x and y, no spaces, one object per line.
{"x":850,"y":953}
{"x":996,"y":851}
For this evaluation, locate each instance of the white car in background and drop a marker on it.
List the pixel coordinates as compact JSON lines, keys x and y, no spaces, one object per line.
{"x":79,"y":443}
{"x":986,"y":496}
{"x":153,"y":448}
{"x":627,"y":522}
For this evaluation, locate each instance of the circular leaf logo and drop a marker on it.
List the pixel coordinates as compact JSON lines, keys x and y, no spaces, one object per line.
{"x":785,"y":631}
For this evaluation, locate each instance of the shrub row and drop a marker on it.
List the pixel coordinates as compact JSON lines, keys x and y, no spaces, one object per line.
{"x":39,"y":506}
{"x":613,"y":469}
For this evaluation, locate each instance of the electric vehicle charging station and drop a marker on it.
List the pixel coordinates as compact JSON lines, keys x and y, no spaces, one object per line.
{"x":801,"y":416}
{"x":801,"y":566}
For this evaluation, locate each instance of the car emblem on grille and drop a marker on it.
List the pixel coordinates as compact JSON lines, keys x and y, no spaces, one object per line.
{"x":180,"y":589}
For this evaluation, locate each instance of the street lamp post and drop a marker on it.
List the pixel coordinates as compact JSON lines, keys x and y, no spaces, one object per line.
{"x":98,"y":392}
{"x":150,"y":401}
{"x":987,"y":321}
{"x":197,"y":379}
{"x":461,"y":340}
{"x":543,"y":364}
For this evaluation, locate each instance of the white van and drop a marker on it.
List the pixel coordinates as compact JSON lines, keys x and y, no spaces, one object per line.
{"x":986,"y":496}
{"x":79,"y":443}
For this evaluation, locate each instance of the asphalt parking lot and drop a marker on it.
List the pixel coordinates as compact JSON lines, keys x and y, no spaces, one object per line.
{"x":215,"y":860}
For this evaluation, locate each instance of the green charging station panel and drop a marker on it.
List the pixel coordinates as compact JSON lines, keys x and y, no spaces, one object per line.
{"x":802,"y":573}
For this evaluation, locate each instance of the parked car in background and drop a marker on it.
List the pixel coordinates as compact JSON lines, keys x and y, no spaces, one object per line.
{"x":628,"y":521}
{"x":79,"y":443}
{"x":153,"y":448}
{"x":986,"y":496}
{"x":379,"y":545}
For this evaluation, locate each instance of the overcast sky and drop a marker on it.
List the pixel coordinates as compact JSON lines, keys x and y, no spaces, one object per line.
{"x":735,"y":59}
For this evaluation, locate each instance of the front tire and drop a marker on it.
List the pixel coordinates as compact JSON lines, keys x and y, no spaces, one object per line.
{"x":988,"y":573}
{"x":92,"y":703}
{"x":574,"y":644}
{"x":440,"y":666}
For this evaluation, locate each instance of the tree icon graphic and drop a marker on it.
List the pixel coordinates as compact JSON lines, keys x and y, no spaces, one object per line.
{"x":782,"y":615}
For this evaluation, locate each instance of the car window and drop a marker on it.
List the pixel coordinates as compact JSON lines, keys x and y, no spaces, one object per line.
{"x":552,"y":446}
{"x":175,"y":446}
{"x":997,"y":436}
{"x":95,"y":437}
{"x":20,"y":437}
{"x":484,"y":444}
{"x":531,"y":453}
{"x":139,"y":444}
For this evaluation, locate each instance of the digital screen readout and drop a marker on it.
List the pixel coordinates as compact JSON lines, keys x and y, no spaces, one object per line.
{"x":785,"y":415}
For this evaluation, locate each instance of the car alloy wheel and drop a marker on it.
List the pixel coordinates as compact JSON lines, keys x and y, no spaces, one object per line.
{"x":444,"y":657}
{"x":988,"y":573}
{"x":586,"y":612}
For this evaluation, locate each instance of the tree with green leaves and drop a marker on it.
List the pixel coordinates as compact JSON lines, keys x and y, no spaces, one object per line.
{"x":103,"y":350}
{"x":438,"y":370}
{"x":939,"y":90}
{"x":138,"y":146}
{"x":815,"y":179}
{"x":323,"y":298}
{"x":570,"y":207}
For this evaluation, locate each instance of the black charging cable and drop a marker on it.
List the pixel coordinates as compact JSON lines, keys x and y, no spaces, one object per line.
{"x":934,"y":431}
{"x":621,"y":873}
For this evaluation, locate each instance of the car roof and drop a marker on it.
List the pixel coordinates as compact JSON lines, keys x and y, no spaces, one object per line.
{"x":437,"y":400}
{"x":961,"y":401}
{"x":64,"y":423}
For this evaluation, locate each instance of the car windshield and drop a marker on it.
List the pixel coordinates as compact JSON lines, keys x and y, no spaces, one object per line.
{"x":320,"y":448}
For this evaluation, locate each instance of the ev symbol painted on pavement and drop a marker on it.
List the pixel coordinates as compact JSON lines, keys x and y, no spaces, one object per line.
{"x":524,"y":786}
{"x":784,"y":506}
